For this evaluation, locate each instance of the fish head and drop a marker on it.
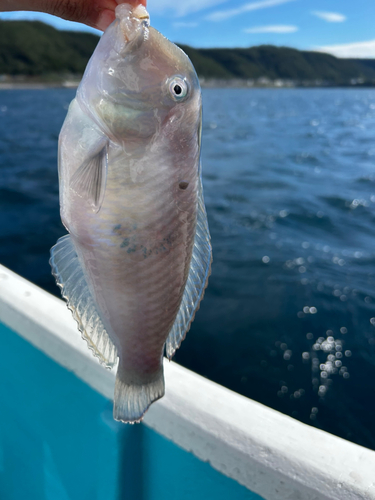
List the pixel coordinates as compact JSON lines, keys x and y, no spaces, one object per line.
{"x":138,"y":82}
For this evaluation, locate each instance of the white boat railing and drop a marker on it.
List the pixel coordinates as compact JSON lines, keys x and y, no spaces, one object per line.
{"x":267,"y":452}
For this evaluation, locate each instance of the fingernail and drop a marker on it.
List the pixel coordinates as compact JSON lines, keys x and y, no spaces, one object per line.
{"x":105,"y":18}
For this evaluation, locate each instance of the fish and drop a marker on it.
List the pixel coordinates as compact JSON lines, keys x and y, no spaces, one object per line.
{"x":135,"y":263}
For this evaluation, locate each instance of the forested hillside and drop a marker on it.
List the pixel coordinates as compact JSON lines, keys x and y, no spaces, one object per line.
{"x":278,"y":62}
{"x":36,"y":49}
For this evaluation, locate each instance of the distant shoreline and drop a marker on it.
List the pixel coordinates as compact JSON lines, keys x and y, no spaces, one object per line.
{"x":36,"y":85}
{"x":205,"y":83}
{"x":25,"y":58}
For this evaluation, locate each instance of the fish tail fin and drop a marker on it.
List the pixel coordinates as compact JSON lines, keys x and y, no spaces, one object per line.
{"x":131,"y":401}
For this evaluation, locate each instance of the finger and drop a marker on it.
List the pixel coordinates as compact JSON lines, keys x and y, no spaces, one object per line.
{"x":96,"y":13}
{"x":133,"y":2}
{"x":105,"y":18}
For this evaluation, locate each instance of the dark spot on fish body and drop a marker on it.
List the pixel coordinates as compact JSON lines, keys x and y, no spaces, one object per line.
{"x":132,"y":249}
{"x":125,"y":243}
{"x":171,"y":238}
{"x":116,"y":228}
{"x":183,"y":185}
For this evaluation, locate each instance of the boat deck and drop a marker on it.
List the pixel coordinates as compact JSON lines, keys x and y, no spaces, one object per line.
{"x":58,"y":440}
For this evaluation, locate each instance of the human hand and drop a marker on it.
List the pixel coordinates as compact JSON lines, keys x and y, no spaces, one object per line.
{"x":95,"y":13}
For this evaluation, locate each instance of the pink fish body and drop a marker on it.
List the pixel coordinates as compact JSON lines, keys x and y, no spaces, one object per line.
{"x":136,"y":261}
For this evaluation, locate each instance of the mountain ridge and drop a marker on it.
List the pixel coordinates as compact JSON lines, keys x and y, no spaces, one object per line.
{"x":35,"y":49}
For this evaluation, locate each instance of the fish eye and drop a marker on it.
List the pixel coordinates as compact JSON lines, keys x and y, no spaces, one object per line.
{"x":178,"y":88}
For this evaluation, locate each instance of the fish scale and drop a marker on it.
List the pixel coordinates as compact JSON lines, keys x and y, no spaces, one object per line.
{"x":136,"y":263}
{"x":146,"y":323}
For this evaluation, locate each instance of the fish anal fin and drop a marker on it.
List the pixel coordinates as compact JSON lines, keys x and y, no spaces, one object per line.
{"x":69,"y":276}
{"x":90,"y":179}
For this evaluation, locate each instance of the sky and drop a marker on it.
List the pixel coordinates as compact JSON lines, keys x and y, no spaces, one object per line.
{"x":344,"y":28}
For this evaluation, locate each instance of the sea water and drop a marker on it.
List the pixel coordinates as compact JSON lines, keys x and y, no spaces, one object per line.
{"x":288,"y":318}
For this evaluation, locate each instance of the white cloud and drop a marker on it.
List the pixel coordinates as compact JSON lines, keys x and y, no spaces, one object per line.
{"x":221,"y":15}
{"x":330,"y":17}
{"x":180,"y":8}
{"x":279,"y":28}
{"x":356,"y":49}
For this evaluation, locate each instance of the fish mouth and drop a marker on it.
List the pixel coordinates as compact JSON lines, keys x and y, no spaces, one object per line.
{"x":141,"y":12}
{"x":124,"y":11}
{"x":132,"y":26}
{"x":134,"y":23}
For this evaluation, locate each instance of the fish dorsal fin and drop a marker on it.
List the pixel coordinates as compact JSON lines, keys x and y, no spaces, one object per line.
{"x":90,"y":179}
{"x":69,"y":276}
{"x":200,"y":269}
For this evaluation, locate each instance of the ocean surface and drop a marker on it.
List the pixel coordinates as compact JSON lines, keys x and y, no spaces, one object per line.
{"x":288,"y":318}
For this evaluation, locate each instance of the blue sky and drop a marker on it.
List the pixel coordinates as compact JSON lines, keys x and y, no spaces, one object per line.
{"x":344,"y":28}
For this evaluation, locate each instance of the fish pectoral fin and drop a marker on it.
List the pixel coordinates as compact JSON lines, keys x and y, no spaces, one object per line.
{"x":69,"y":276}
{"x":200,"y":270}
{"x":90,"y":179}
